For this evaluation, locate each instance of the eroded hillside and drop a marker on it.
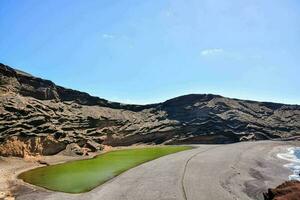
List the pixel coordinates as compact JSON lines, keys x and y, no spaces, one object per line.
{"x":39,"y":117}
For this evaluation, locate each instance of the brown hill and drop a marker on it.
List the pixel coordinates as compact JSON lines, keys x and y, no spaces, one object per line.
{"x":39,"y":117}
{"x":289,"y":190}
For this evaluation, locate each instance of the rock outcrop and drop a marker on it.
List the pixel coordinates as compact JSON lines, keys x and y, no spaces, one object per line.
{"x":39,"y":117}
{"x":289,"y":190}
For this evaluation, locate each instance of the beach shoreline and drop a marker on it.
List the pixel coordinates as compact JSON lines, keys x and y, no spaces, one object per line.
{"x":11,"y":167}
{"x":294,"y":162}
{"x":250,"y":170}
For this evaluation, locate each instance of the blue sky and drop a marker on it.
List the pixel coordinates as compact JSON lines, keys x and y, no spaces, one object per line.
{"x":147,"y":51}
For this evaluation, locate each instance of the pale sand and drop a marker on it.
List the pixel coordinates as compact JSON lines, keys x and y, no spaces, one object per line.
{"x":233,"y":171}
{"x":10,"y":167}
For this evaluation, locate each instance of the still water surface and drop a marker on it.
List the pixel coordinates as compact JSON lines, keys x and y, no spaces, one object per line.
{"x":84,"y":175}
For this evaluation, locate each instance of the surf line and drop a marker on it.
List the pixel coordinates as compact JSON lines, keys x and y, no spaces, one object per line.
{"x":293,"y":156}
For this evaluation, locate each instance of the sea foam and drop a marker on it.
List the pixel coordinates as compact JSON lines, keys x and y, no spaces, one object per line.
{"x":293,"y":156}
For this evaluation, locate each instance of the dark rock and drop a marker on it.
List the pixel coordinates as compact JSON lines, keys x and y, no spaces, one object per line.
{"x":93,"y":146}
{"x":36,"y":121}
{"x":32,"y":107}
{"x":73,"y":149}
{"x":42,"y":162}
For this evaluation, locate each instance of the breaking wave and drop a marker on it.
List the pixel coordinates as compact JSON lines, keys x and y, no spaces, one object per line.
{"x":293,"y":155}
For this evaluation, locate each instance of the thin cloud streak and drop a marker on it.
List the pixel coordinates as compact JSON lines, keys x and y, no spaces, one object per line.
{"x":211,"y":52}
{"x":108,"y":36}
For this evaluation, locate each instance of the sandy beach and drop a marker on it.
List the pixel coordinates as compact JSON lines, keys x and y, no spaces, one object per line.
{"x":233,"y":171}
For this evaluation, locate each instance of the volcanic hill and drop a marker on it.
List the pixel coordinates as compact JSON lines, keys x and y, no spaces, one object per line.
{"x":40,"y":117}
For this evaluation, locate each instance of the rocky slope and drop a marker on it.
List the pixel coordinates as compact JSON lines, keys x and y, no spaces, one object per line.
{"x":289,"y":190}
{"x":39,"y":117}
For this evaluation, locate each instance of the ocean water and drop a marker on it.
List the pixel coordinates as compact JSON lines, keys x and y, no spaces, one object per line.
{"x":293,"y":156}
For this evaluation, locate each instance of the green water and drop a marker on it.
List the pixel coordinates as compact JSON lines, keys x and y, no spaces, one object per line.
{"x":84,"y":175}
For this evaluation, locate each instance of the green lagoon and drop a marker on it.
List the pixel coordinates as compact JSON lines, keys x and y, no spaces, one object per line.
{"x":84,"y":175}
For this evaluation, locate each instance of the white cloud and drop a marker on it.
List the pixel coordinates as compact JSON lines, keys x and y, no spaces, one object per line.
{"x":211,"y":52}
{"x":108,"y":36}
{"x":229,"y":54}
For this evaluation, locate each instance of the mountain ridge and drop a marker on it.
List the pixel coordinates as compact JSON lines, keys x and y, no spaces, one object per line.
{"x":39,"y":117}
{"x":136,"y":104}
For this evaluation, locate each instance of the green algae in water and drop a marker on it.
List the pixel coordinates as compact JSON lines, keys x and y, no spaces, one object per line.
{"x":84,"y":175}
